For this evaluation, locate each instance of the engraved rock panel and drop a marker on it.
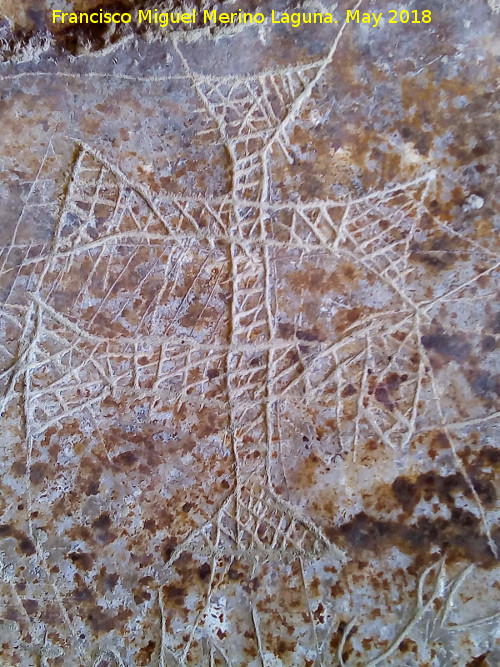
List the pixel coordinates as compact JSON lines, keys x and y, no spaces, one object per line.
{"x":249,"y":324}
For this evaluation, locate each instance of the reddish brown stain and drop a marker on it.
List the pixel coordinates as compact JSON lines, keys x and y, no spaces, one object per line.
{"x":430,"y":484}
{"x":126,"y":459}
{"x":480,"y":661}
{"x":204,"y":571}
{"x":38,"y":472}
{"x":145,"y":654}
{"x":19,"y":469}
{"x":349,"y":390}
{"x":142,"y":591}
{"x":82,"y":560}
{"x":209,"y":421}
{"x":106,"y":581}
{"x":169,"y":547}
{"x":25,"y":544}
{"x":383,"y":396}
{"x":102,"y":526}
{"x":307,"y":471}
{"x":31,"y":607}
{"x":460,"y":538}
{"x":174,"y":596}
{"x":283,"y":647}
{"x":408,"y":646}
{"x":346,"y":318}
{"x":197,"y":314}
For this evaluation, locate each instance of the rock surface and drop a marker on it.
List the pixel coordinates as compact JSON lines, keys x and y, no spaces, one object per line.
{"x":249,"y":341}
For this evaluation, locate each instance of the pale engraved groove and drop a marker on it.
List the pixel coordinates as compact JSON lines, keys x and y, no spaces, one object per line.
{"x":443,"y":591}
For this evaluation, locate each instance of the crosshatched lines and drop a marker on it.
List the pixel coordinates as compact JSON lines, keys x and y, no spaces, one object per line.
{"x":133,"y":321}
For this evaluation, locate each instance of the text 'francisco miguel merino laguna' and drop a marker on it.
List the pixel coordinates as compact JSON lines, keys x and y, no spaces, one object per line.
{"x":295,"y":19}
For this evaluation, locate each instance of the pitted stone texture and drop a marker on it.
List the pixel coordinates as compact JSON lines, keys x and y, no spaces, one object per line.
{"x":249,"y":347}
